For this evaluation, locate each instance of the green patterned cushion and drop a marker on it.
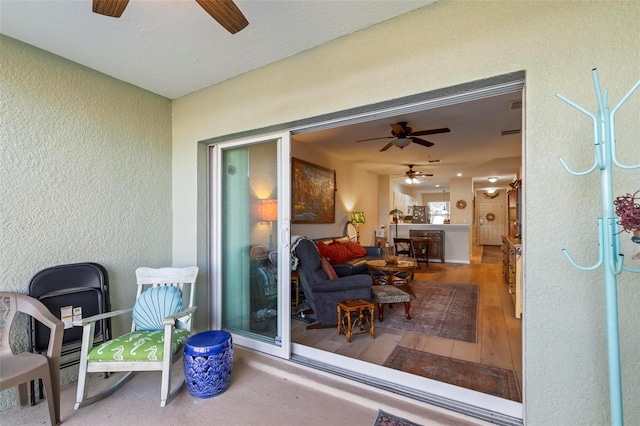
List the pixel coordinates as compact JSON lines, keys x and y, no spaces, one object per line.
{"x":142,"y":345}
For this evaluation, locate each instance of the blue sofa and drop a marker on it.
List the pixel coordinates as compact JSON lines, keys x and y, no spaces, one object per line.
{"x":354,"y":266}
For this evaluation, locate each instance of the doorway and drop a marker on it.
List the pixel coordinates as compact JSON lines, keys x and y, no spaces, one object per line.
{"x":490,"y":223}
{"x":469,"y":402}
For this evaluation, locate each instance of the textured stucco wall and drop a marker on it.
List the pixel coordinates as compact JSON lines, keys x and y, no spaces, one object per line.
{"x":557,"y":44}
{"x":85,"y":174}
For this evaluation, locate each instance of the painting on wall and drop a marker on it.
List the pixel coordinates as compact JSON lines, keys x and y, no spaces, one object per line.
{"x":313,"y":198}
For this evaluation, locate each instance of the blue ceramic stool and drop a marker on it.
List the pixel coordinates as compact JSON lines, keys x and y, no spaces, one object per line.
{"x":208,"y":360}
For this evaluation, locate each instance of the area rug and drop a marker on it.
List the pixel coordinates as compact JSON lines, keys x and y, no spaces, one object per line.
{"x":386,"y":419}
{"x":439,"y":309}
{"x":492,"y":254}
{"x":495,"y":381}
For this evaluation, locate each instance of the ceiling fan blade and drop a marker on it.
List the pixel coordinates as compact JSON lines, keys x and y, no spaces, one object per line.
{"x":113,"y":8}
{"x":387,"y":146}
{"x":431,"y":131}
{"x":226,"y":13}
{"x":376,"y":139}
{"x":423,"y":174}
{"x":421,"y":141}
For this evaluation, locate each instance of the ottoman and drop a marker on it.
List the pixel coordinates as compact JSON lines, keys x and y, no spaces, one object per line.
{"x":389,"y":294}
{"x":208,"y":360}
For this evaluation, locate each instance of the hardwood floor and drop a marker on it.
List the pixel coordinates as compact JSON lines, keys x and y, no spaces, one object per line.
{"x":499,"y":331}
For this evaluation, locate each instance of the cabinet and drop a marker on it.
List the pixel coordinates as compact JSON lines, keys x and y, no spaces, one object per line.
{"x":436,"y":242}
{"x":514,"y":206}
{"x":512,"y":270}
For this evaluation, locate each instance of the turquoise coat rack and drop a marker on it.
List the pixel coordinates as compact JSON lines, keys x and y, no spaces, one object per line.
{"x":609,"y":257}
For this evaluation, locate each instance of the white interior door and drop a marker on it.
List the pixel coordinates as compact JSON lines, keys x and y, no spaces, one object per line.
{"x":250,"y":188}
{"x":490,"y":223}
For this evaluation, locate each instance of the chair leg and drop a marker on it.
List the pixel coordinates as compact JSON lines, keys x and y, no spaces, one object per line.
{"x":380,"y":312}
{"x":23,"y":395}
{"x":407,"y":306}
{"x":51,"y":400}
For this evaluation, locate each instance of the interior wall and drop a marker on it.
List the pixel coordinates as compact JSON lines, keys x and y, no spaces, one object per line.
{"x":357,"y":190}
{"x":557,"y":44}
{"x":85,"y":177}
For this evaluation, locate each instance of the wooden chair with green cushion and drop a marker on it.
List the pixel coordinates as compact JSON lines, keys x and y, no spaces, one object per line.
{"x":162,"y":319}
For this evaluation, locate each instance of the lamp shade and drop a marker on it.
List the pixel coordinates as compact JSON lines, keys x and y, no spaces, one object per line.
{"x":396,"y":212}
{"x":402,"y":142}
{"x":269,"y":210}
{"x":357,"y":217}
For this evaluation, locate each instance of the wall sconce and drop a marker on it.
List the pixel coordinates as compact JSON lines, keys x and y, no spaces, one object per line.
{"x":357,"y":218}
{"x":269,"y":213}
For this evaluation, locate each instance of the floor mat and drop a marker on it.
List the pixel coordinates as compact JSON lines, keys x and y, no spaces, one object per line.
{"x":439,"y":309}
{"x":386,"y":419}
{"x":487,"y":379}
{"x":492,"y":255}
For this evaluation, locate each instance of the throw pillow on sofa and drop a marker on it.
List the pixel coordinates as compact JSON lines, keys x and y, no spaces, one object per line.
{"x":336,"y":252}
{"x":356,"y":249}
{"x":340,"y":253}
{"x":328,"y":269}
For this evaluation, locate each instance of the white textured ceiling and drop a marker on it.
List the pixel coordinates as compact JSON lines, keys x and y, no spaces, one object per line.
{"x":173,"y":47}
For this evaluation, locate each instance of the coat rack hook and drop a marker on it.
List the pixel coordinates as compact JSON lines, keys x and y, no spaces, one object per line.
{"x":612,"y":120}
{"x":570,"y":171}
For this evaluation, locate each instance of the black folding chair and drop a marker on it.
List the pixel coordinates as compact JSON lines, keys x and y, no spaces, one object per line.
{"x":80,"y":289}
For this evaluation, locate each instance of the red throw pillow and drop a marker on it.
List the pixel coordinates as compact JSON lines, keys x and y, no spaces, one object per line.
{"x":356,"y":249}
{"x":328,"y":269}
{"x":323,"y":249}
{"x":339,"y":253}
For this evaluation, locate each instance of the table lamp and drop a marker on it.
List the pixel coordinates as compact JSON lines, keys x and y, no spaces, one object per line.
{"x":357,"y":218}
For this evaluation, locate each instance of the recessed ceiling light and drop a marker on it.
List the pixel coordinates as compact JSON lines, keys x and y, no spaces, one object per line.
{"x":437,"y":186}
{"x":493,"y":179}
{"x":459,"y":174}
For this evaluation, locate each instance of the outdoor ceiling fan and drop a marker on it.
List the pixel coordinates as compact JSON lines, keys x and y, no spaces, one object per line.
{"x":224,"y":11}
{"x":403,"y":135}
{"x":412,"y":175}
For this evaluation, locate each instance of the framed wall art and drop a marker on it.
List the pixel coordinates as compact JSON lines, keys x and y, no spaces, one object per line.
{"x":313,"y":197}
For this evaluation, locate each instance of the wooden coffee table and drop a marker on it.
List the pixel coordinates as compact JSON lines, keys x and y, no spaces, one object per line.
{"x":398,"y":273}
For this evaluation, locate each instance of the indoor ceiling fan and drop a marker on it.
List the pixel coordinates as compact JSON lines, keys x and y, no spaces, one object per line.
{"x":412,"y":175}
{"x":403,"y":135}
{"x":224,"y":11}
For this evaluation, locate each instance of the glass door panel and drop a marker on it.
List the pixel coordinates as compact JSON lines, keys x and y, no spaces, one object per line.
{"x":252,"y":284}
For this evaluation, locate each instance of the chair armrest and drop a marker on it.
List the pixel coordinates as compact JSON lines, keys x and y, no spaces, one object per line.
{"x":56,"y":327}
{"x":341,"y":284}
{"x":171,"y":320}
{"x":373,"y":251}
{"x":84,"y":321}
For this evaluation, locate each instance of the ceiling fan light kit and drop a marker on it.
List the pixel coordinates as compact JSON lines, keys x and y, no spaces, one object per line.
{"x":403,"y":135}
{"x":225,"y":12}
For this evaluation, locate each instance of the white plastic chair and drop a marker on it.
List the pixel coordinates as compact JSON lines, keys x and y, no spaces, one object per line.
{"x":157,"y":337}
{"x":20,"y":369}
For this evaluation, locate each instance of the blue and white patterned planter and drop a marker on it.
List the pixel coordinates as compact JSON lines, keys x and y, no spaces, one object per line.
{"x":208,"y":361}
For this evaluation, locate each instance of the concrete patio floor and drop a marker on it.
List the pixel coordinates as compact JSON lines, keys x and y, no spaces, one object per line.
{"x":264,"y":391}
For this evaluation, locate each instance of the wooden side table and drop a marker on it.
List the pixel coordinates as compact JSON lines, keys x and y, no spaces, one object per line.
{"x":353,"y":313}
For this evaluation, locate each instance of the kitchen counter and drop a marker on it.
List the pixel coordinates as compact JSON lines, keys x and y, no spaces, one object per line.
{"x":456,"y":238}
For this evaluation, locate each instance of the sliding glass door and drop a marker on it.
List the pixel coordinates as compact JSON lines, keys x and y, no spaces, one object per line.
{"x":250,"y":231}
